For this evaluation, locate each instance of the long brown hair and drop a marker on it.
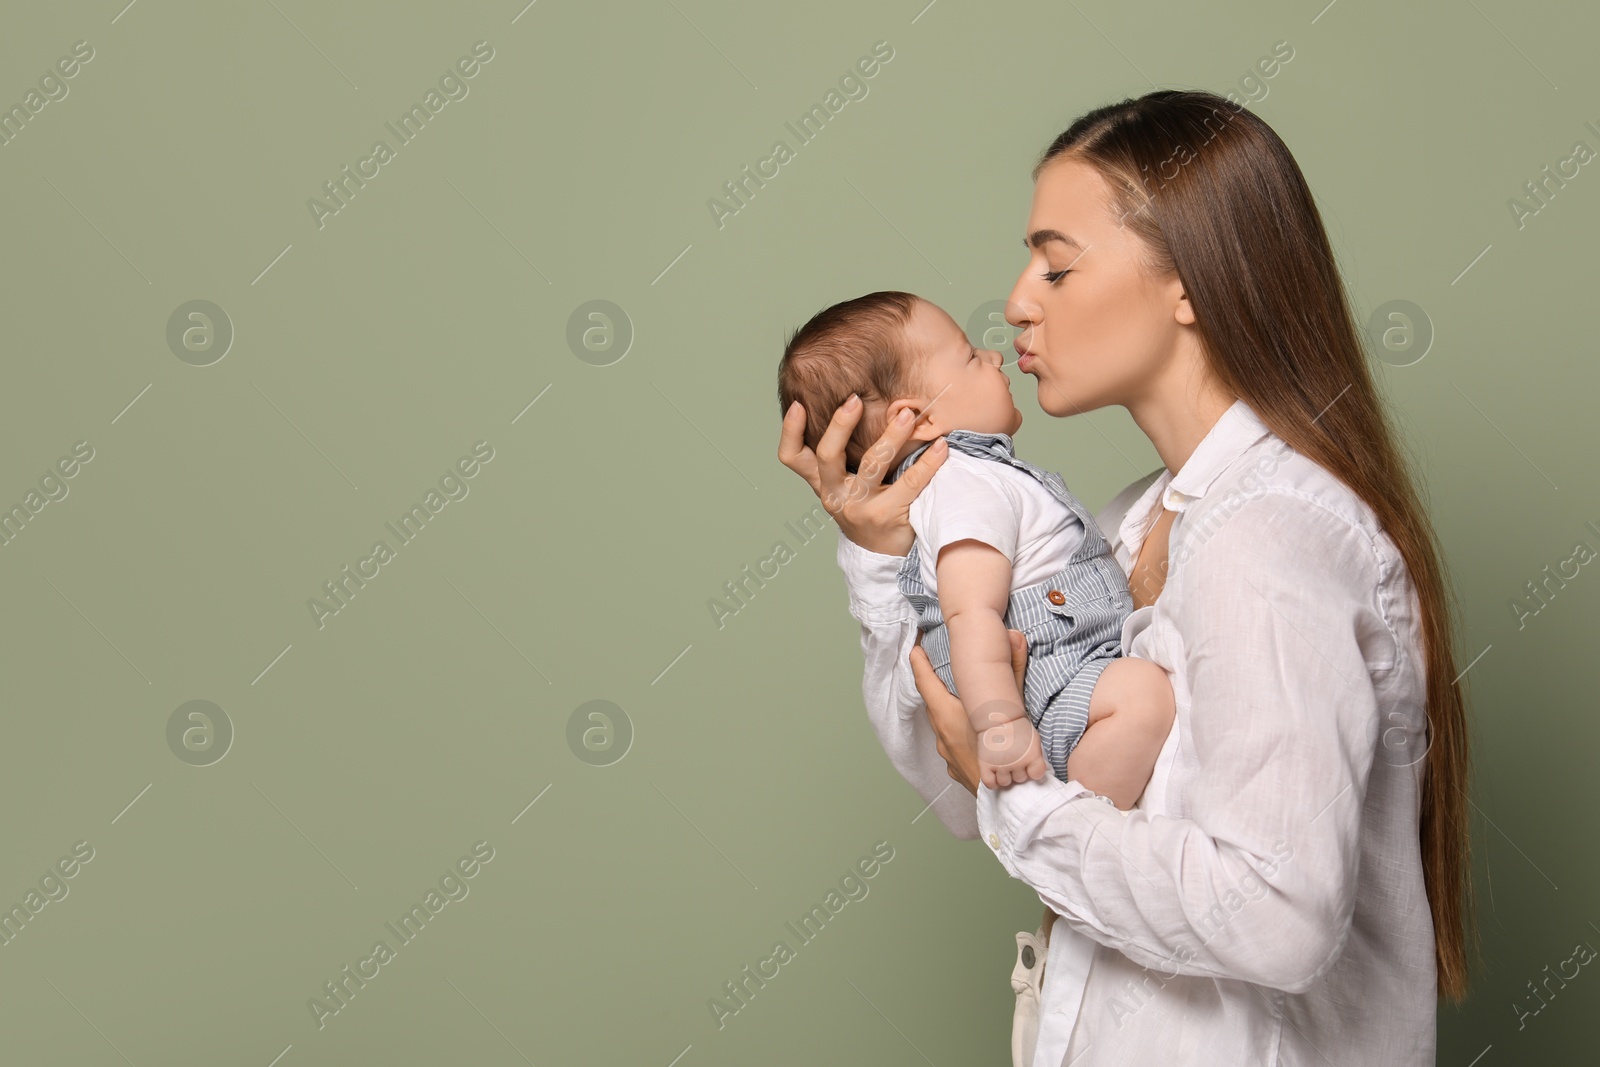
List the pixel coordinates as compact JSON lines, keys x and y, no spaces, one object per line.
{"x":1218,"y":199}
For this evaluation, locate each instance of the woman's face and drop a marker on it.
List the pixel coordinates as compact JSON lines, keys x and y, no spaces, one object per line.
{"x":1097,"y":329}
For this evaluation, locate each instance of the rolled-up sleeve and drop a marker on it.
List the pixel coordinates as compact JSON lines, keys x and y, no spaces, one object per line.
{"x":894,"y":706}
{"x":1281,"y":627}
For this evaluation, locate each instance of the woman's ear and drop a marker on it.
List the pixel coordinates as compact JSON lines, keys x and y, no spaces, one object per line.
{"x":1184,"y":312}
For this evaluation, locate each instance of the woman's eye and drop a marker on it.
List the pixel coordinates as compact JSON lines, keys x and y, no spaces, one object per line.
{"x":1053,"y":276}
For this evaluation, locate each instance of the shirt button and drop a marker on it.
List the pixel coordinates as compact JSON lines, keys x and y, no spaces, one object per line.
{"x":994,"y":840}
{"x":1056,"y":596}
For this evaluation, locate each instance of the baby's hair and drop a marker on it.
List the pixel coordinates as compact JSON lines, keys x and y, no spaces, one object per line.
{"x":856,"y":346}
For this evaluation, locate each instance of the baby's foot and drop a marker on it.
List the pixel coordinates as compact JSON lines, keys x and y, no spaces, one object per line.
{"x":1010,"y":753}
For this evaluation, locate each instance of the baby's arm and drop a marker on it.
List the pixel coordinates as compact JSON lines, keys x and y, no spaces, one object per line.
{"x":974,"y":593}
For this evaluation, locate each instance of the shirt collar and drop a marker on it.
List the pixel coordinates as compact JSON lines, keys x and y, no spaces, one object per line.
{"x":997,"y":443}
{"x":1237,"y":429}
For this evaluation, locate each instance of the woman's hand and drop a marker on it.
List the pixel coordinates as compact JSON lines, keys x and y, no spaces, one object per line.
{"x":873,"y":516}
{"x":957,"y":740}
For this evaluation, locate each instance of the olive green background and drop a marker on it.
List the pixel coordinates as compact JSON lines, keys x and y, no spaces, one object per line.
{"x":371,"y":753}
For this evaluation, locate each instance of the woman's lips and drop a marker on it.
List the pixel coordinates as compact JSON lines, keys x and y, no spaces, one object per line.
{"x":1024,"y":358}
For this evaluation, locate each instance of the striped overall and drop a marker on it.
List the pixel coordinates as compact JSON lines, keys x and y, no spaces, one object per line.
{"x":1072,"y":620}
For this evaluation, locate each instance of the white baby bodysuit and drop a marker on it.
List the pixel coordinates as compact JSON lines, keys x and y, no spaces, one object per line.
{"x":999,"y":505}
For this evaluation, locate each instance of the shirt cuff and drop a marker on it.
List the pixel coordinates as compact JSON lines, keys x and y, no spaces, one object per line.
{"x":872,"y":582}
{"x":1018,"y":810}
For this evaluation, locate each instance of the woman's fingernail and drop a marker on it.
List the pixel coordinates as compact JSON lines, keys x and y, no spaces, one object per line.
{"x":939,"y":446}
{"x":903,"y":418}
{"x":853,"y":401}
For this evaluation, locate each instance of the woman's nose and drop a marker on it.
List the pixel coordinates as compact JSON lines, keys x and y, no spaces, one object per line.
{"x":1021,"y":313}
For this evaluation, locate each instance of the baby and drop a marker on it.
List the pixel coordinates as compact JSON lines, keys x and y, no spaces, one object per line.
{"x":999,"y":544}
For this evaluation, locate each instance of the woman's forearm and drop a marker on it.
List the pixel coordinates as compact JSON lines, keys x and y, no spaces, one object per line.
{"x":894,"y":706}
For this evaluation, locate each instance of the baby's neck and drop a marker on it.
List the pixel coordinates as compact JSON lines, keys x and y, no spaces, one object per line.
{"x":911,"y":446}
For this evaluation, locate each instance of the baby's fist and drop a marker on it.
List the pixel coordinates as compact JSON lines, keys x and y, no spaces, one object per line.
{"x":1010,"y":753}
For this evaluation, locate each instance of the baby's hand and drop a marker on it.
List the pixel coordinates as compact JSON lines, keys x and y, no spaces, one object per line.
{"x":1010,"y":753}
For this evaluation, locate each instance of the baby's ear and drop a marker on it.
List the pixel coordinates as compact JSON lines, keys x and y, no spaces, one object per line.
{"x":923,"y":430}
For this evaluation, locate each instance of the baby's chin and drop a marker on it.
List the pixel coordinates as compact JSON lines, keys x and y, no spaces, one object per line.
{"x":1010,"y":431}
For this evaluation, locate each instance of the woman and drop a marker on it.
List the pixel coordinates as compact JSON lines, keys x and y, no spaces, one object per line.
{"x":1292,"y":887}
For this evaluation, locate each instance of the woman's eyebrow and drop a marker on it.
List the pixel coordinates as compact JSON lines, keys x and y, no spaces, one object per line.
{"x":1039,"y":237}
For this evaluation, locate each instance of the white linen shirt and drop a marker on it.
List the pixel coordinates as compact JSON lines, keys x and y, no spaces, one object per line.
{"x":1263,"y":903}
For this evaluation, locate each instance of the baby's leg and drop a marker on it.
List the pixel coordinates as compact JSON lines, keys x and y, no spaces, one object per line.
{"x":1130,"y":715}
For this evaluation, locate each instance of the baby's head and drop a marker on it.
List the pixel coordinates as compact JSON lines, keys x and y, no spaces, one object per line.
{"x":897,"y":351}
